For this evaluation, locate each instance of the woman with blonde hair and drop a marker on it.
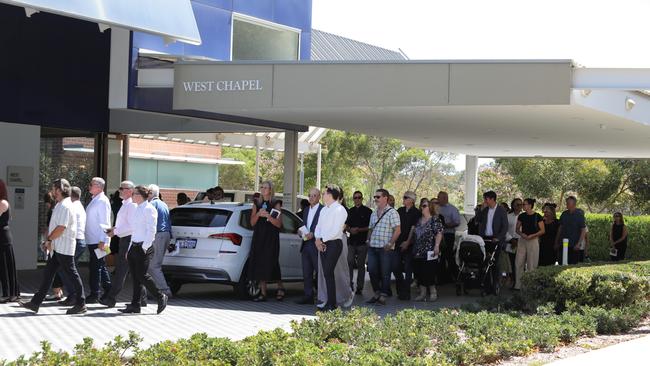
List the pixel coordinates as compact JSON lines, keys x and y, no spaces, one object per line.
{"x":264,"y":258}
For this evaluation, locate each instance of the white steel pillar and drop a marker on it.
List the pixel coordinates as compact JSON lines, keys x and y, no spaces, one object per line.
{"x":301,"y":190}
{"x":471,"y":182}
{"x":290,"y":171}
{"x":318,"y":165}
{"x":257,"y":169}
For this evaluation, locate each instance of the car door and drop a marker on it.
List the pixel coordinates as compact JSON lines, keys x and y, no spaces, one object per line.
{"x":290,"y":242}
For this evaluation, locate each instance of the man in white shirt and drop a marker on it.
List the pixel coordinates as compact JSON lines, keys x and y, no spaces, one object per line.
{"x":123,"y":229}
{"x":98,"y":220}
{"x":60,"y":246}
{"x":80,"y":214}
{"x":141,"y":251}
{"x":328,"y":234}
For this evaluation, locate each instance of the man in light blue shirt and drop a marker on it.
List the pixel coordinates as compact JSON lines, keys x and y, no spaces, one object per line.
{"x":161,"y":242}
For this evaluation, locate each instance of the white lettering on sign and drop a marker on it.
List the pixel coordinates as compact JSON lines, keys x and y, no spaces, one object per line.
{"x":221,"y":86}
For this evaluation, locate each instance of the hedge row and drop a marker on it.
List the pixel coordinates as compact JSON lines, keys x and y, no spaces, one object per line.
{"x":567,"y":303}
{"x":604,"y":285}
{"x":360,"y":337}
{"x":638,"y":239}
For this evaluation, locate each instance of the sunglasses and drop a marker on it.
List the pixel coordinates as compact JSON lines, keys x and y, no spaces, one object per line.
{"x":123,"y":188}
{"x":377,"y":197}
{"x":406,"y":197}
{"x":357,"y":197}
{"x":424,"y":206}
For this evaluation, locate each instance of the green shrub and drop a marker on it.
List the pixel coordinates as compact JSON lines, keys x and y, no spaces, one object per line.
{"x":596,"y":298}
{"x":638,"y":244}
{"x":596,"y":284}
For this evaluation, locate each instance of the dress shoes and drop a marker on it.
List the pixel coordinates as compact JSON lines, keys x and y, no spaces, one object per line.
{"x":77,"y":309}
{"x":162,"y":303}
{"x":69,"y":301}
{"x":92,"y":299}
{"x":129,"y":310}
{"x":108,"y":302}
{"x":30,"y":306}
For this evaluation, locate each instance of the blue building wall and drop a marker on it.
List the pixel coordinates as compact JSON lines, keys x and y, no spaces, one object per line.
{"x":54,"y":71}
{"x":214,"y":19}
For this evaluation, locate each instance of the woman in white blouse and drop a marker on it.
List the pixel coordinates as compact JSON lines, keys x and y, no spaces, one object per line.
{"x":141,"y":250}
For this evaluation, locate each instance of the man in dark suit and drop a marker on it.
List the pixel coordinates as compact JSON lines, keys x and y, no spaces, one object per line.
{"x":493,"y":226}
{"x":493,"y":220}
{"x":308,"y":249}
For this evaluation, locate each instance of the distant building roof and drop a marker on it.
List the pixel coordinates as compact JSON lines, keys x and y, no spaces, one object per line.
{"x":330,"y":47}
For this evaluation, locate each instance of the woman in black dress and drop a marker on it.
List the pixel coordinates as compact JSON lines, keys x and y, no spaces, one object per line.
{"x":264,"y":259}
{"x":547,"y":250}
{"x":8,"y":277}
{"x":618,"y":238}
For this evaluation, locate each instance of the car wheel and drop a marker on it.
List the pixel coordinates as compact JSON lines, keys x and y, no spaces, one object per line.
{"x":175,"y":286}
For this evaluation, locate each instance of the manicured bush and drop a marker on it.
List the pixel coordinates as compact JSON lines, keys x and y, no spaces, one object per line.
{"x":360,"y":337}
{"x":597,"y":284}
{"x":638,"y":247}
{"x":596,"y":298}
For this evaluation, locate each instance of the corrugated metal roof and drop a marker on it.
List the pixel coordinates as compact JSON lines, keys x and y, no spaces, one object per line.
{"x":330,"y":47}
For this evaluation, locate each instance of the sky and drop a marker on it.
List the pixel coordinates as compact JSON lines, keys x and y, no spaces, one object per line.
{"x":592,"y":33}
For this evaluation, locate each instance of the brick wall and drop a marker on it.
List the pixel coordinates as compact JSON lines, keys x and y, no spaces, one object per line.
{"x":160,"y":147}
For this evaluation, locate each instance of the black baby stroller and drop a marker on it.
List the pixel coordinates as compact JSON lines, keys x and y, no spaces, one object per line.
{"x":476,"y":265}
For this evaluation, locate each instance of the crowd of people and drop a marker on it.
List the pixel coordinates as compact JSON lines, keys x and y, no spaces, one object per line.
{"x":415,"y":245}
{"x":142,"y":230}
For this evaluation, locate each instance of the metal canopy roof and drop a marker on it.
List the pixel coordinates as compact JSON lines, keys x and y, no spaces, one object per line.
{"x":172,"y":19}
{"x":330,"y":47}
{"x":485,"y":108}
{"x":271,"y":141}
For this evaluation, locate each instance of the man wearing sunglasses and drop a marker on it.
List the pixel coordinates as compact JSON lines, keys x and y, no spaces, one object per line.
{"x":123,"y":230}
{"x":384,"y":231}
{"x":357,"y":226}
{"x":409,"y":216}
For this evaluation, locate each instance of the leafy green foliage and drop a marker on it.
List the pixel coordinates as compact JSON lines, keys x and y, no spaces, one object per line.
{"x":638,"y":247}
{"x":599,"y":298}
{"x":598,"y":284}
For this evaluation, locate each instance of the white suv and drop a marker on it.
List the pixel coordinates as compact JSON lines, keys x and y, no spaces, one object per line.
{"x":214,"y":240}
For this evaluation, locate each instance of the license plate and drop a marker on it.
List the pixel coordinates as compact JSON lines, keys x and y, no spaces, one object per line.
{"x":186,"y":243}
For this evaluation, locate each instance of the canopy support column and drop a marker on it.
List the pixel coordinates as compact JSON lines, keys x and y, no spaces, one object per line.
{"x":471,"y":182}
{"x":257,"y":169}
{"x":290,"y":171}
{"x":319,"y":158}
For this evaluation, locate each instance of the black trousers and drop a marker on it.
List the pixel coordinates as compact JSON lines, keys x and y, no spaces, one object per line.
{"x":447,"y":270}
{"x":138,"y":264}
{"x":66,"y":264}
{"x":309,"y":266}
{"x":121,"y":269}
{"x":8,"y":277}
{"x":329,"y":258}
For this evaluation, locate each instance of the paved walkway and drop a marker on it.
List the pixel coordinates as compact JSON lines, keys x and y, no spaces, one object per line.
{"x":634,"y":352}
{"x":212,"y":309}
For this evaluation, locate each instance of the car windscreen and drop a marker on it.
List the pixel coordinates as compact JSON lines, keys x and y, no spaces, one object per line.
{"x":199,"y":217}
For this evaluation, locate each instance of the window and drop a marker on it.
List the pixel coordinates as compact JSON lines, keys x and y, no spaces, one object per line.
{"x":171,"y":174}
{"x":290,"y":223}
{"x":256,"y":39}
{"x":199,"y":217}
